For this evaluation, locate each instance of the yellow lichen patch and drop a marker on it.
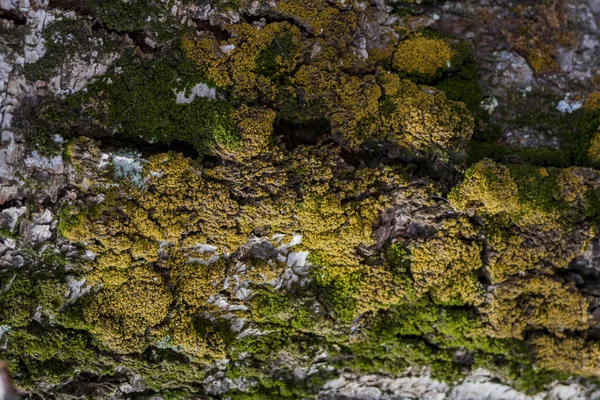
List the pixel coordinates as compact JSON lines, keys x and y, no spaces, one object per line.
{"x":592,"y":102}
{"x":196,"y":283}
{"x":335,"y":44}
{"x":538,"y":302}
{"x":143,"y":248}
{"x":110,"y":260}
{"x":278,"y":215}
{"x":376,"y":290}
{"x":314,"y":14}
{"x":542,"y":61}
{"x":237,"y":61}
{"x":572,"y":186}
{"x":511,"y":254}
{"x":544,"y":198}
{"x":420,"y":55}
{"x":256,"y":180}
{"x":314,"y":172}
{"x":527,"y":210}
{"x":594,"y":148}
{"x":326,"y":78}
{"x":208,"y":54}
{"x":488,"y":187}
{"x":445,"y":266}
{"x":348,"y":99}
{"x":185,"y":337}
{"x":333,"y":230}
{"x":133,"y":225}
{"x":122,"y":314}
{"x":528,"y":214}
{"x":423,"y":120}
{"x":574,"y":355}
{"x":515,"y":251}
{"x":256,"y":127}
{"x":79,"y":227}
{"x":186,"y":222}
{"x":183,"y":202}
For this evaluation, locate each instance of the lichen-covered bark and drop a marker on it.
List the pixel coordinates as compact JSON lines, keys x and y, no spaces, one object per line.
{"x":299,"y":199}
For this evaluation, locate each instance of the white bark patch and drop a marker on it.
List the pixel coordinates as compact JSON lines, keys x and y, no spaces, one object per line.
{"x":129,"y":166}
{"x":10,"y":217}
{"x":3,"y":344}
{"x":35,"y":160}
{"x":297,"y":258}
{"x":568,"y":106}
{"x":296,"y":240}
{"x":77,"y":288}
{"x":204,"y":248}
{"x":200,"y":90}
{"x":227,"y":48}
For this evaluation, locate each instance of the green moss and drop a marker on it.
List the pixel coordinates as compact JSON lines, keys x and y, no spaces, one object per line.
{"x":165,"y":371}
{"x":280,"y":381}
{"x":23,"y":296}
{"x":288,"y":309}
{"x":272,"y":306}
{"x":532,"y":380}
{"x":580,"y":128}
{"x":542,"y":157}
{"x":269,"y":305}
{"x":399,"y":258}
{"x":573,"y":130}
{"x":72,"y":317}
{"x":393,"y":340}
{"x":387,"y":106}
{"x":5,"y":233}
{"x":42,"y":344}
{"x":48,"y":354}
{"x":18,"y":300}
{"x":52,"y":258}
{"x":593,"y":205}
{"x":515,"y":364}
{"x":141,"y":102}
{"x":413,"y":319}
{"x":461,"y":82}
{"x":337,"y":297}
{"x":538,"y":191}
{"x":414,"y":334}
{"x":395,"y":355}
{"x":124,"y":16}
{"x":48,"y":117}
{"x":278,"y":52}
{"x":462,"y":89}
{"x":262,"y":347}
{"x":68,"y":218}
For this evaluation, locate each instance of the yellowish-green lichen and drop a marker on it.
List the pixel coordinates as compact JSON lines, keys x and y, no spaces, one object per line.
{"x":358,"y":106}
{"x":594,"y":148}
{"x":537,"y":302}
{"x":122,"y":314}
{"x":572,"y":355}
{"x":421,"y":55}
{"x":446,"y":265}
